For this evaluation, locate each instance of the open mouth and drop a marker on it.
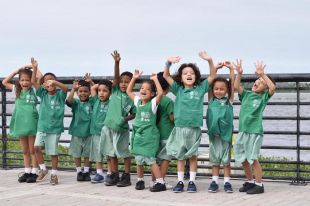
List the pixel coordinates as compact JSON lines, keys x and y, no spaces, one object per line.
{"x":189,"y":79}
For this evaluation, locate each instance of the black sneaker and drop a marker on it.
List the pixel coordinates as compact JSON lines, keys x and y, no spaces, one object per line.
{"x":32,"y":178}
{"x":140,"y":185}
{"x":80,"y":177}
{"x":125,"y":180}
{"x":158,"y":187}
{"x":112,"y":179}
{"x":179,"y":187}
{"x":24,"y":177}
{"x":246,"y":186}
{"x":213,"y":187}
{"x":256,"y":190}
{"x":86,"y":176}
{"x":228,"y":188}
{"x":191,"y":188}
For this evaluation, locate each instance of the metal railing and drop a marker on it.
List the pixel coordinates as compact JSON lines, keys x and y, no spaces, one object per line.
{"x":297,"y":171}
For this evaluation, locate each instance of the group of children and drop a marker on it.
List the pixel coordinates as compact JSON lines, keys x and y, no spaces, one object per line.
{"x":162,"y":129}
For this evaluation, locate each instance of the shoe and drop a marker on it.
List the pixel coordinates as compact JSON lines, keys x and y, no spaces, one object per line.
{"x":140,"y":185}
{"x":158,"y":187}
{"x":80,"y":177}
{"x":125,"y":180}
{"x":246,"y":186}
{"x":179,"y":187}
{"x":54,"y":180}
{"x":97,"y":179}
{"x":112,"y":179}
{"x":191,"y":188}
{"x":256,"y":190}
{"x":32,"y":178}
{"x":213,"y":187}
{"x":42,"y":175}
{"x":24,"y":177}
{"x":86,"y":177}
{"x":228,"y":188}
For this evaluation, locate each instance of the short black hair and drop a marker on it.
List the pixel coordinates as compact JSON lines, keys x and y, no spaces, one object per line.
{"x":49,"y":73}
{"x":107,"y":83}
{"x":129,"y":74}
{"x":163,"y":83}
{"x":83,"y":83}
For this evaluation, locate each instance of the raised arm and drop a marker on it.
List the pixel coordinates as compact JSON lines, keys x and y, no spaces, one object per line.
{"x":132,"y":82}
{"x":93,"y":90}
{"x":88,"y":78}
{"x":159,"y":89}
{"x":7,"y":80}
{"x":229,"y":65}
{"x":238,"y":68}
{"x":217,"y":67}
{"x":58,"y":84}
{"x":166,"y":75}
{"x":260,"y":71}
{"x":204,"y":55}
{"x":34,"y":81}
{"x":75,"y":87}
{"x":117,"y":58}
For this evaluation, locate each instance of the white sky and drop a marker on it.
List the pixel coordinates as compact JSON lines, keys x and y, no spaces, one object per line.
{"x":71,"y":37}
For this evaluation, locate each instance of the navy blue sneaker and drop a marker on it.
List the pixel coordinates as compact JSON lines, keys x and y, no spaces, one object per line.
{"x":158,"y":187}
{"x":228,"y":188}
{"x":213,"y":187}
{"x":97,"y":179}
{"x":191,"y":188}
{"x":179,"y":187}
{"x":112,"y":179}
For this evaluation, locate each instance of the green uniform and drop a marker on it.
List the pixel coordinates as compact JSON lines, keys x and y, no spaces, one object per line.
{"x":145,"y":135}
{"x":251,"y":112}
{"x":188,"y":105}
{"x":98,"y":115}
{"x":220,"y":118}
{"x":164,"y":125}
{"x":51,"y":114}
{"x":25,"y":115}
{"x":120,"y":106}
{"x":80,"y":123}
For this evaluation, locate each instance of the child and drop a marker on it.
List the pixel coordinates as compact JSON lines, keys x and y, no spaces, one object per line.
{"x":24,"y":119}
{"x":220,"y":118}
{"x":145,"y":135}
{"x":164,"y":124}
{"x":115,"y":131}
{"x":80,"y":127}
{"x":50,"y":123}
{"x":250,"y":137}
{"x":185,"y":137}
{"x":101,"y":93}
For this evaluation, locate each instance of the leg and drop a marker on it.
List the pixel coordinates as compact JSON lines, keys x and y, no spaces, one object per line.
{"x":39,"y":155}
{"x":227,"y":170}
{"x":26,"y":153}
{"x":77,"y":162}
{"x":216,"y":170}
{"x":55,"y":162}
{"x":31,"y":140}
{"x":164,"y":167}
{"x":127,"y":163}
{"x":140,"y":171}
{"x":247,"y":170}
{"x":258,"y":172}
{"x":86,"y":162}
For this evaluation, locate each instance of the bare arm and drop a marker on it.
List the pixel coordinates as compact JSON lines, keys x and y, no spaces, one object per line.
{"x":171,"y":117}
{"x":166,"y":75}
{"x":117,"y":58}
{"x":229,"y":65}
{"x":159,"y":89}
{"x":88,"y":78}
{"x":260,"y":71}
{"x":217,"y":67}
{"x":93,"y":90}
{"x":238,"y":68}
{"x":204,"y":55}
{"x":58,"y":84}
{"x":132,"y":82}
{"x":73,"y":90}
{"x":34,"y":81}
{"x":7,"y":80}
{"x":129,"y":117}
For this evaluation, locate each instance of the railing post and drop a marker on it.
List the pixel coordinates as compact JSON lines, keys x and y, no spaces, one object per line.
{"x":4,"y":132}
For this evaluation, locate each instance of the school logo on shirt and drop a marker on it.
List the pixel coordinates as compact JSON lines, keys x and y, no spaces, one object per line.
{"x":103,"y":108}
{"x":88,"y":109}
{"x":145,"y":116}
{"x":194,"y":95}
{"x":256,"y":103}
{"x":55,"y":104}
{"x":30,"y":99}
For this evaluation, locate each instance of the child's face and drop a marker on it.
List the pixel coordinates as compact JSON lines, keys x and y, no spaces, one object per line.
{"x":49,"y":88}
{"x":188,"y":77}
{"x":83,"y":93}
{"x":124,"y":82}
{"x":103,"y":92}
{"x":25,"y":81}
{"x":146,"y":92}
{"x":259,"y":86}
{"x":219,"y":89}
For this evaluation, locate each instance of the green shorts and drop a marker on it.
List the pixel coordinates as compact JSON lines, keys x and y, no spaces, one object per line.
{"x":96,"y":154}
{"x":247,"y":147}
{"x":79,"y":146}
{"x":162,"y":152}
{"x":142,"y":160}
{"x":48,"y":141}
{"x":183,"y":142}
{"x":219,"y":152}
{"x":114,"y":144}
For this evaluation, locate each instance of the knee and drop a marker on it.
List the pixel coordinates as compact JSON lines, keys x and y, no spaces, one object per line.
{"x":37,"y":150}
{"x":26,"y":152}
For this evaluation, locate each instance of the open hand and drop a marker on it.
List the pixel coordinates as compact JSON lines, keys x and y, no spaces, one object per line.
{"x":116,"y":56}
{"x":34,"y":63}
{"x":204,"y":55}
{"x":260,"y":68}
{"x":174,"y":60}
{"x":137,"y":73}
{"x":238,"y":66}
{"x":75,"y":85}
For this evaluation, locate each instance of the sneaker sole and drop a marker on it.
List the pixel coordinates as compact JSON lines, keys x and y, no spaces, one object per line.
{"x":95,"y":182}
{"x":123,"y":185}
{"x":188,"y":191}
{"x":212,"y":191}
{"x":178,"y":191}
{"x":229,"y":191}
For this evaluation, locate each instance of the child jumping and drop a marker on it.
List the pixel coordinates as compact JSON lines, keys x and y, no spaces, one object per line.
{"x":250,"y":137}
{"x":24,"y":119}
{"x":145,"y":135}
{"x":50,"y":123}
{"x":220,"y":118}
{"x":185,"y":137}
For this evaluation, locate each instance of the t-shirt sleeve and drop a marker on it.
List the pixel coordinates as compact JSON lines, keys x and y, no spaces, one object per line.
{"x":62,"y":95}
{"x":266,"y":96}
{"x":244,"y":93}
{"x":40,"y":91}
{"x":92,"y":99}
{"x":205,"y":85}
{"x":154,"y":105}
{"x":136,"y":100}
{"x":175,"y":87}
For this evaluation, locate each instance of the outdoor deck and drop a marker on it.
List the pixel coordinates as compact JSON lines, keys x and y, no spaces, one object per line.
{"x":71,"y":192}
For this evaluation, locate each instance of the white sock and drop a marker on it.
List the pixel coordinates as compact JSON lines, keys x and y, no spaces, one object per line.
{"x":78,"y":169}
{"x":181,"y":176}
{"x":250,"y":181}
{"x":34,"y":170}
{"x":100,"y":172}
{"x":226,"y":179}
{"x":160,"y":180}
{"x":86,"y":169}
{"x":259,"y":183}
{"x":54,"y":172}
{"x":192,"y":176}
{"x":215,"y":179}
{"x":27,"y":170}
{"x":140,"y":179}
{"x":109,"y":173}
{"x":42,"y":166}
